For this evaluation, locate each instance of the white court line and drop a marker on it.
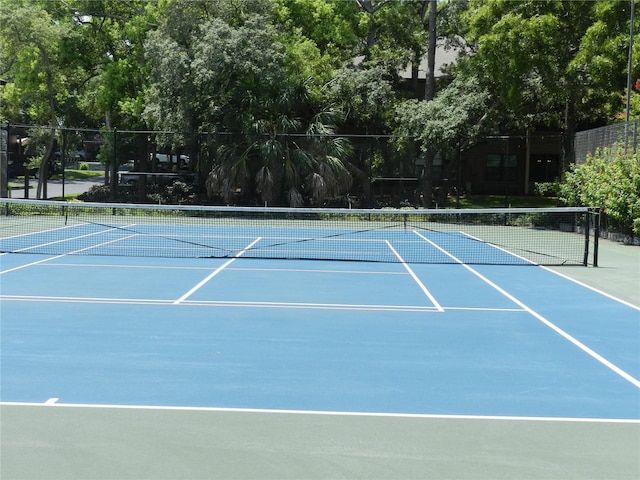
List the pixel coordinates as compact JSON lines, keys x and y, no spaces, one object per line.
{"x":63,"y":240}
{"x":221,"y":303}
{"x":48,"y":259}
{"x":51,"y":401}
{"x":316,"y":306}
{"x":329,"y":413}
{"x":215,"y":272}
{"x":593,"y":289}
{"x":28,"y":234}
{"x":97,"y":300}
{"x":415,"y":278}
{"x":486,"y":309}
{"x":630,"y":378}
{"x":235,"y":269}
{"x":497,"y":247}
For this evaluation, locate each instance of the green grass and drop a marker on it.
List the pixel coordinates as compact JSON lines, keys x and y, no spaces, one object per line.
{"x":500,"y":201}
{"x":68,"y":175}
{"x":78,"y":175}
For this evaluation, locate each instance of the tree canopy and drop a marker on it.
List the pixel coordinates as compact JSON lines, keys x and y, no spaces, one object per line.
{"x":272,"y":70}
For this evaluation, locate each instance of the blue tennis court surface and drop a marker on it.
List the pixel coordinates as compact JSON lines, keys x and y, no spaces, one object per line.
{"x":336,"y":336}
{"x":223,"y":242}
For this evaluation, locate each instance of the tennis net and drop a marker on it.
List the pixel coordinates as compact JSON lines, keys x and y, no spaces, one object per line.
{"x":472,"y":236}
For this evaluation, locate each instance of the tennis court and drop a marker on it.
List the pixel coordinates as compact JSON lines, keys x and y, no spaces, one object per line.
{"x":266,"y":343}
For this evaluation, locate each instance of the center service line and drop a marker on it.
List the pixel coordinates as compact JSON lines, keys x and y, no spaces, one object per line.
{"x":215,"y":272}
{"x":415,"y":278}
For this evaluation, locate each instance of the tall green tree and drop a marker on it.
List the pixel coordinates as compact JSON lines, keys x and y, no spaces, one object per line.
{"x":210,"y":77}
{"x":75,"y":63}
{"x":31,"y":60}
{"x":602,"y":61}
{"x":111,"y":47}
{"x":334,"y":26}
{"x":455,"y":119}
{"x":545,"y":62}
{"x":31,"y":49}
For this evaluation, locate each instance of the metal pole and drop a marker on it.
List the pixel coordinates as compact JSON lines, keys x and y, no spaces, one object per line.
{"x":63,"y":158}
{"x":596,"y":237}
{"x":4,"y":160}
{"x":629,"y":74}
{"x":112,"y":166}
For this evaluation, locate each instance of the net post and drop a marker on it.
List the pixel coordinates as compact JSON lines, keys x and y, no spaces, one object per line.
{"x":596,"y":235}
{"x":587,"y":228}
{"x":587,"y":233}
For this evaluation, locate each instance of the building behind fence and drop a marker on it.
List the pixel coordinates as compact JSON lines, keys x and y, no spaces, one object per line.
{"x":382,"y":175}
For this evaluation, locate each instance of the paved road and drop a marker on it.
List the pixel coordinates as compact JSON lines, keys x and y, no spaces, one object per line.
{"x":56,"y":188}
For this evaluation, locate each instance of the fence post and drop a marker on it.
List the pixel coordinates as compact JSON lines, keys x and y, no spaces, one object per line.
{"x":4,"y":160}
{"x":596,"y":236}
{"x":63,"y":158}
{"x":113,"y":178}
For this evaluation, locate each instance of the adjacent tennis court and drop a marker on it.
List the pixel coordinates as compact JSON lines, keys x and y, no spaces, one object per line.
{"x":268,"y":343}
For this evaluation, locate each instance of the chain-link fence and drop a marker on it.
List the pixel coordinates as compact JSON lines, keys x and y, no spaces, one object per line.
{"x":253,"y":170}
{"x":217,"y":168}
{"x":588,"y":141}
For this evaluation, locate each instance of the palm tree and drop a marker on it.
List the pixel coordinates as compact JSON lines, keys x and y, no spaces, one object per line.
{"x":280,"y":155}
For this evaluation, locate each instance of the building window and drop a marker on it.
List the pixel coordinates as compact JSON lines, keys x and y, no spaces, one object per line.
{"x":501,"y":168}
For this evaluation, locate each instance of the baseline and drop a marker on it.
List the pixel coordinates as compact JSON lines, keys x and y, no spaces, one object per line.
{"x":165,"y":444}
{"x":53,"y":402}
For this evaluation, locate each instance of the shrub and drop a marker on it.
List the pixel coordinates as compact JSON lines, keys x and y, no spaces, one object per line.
{"x":546,"y":189}
{"x":609,"y":179}
{"x":83,"y":166}
{"x":176,"y":193}
{"x":97,"y":193}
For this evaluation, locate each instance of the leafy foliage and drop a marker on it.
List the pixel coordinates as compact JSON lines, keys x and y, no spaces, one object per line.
{"x":282,"y":147}
{"x":365,"y":95}
{"x":634,"y":105}
{"x":609,"y":179}
{"x":550,"y":63}
{"x":31,"y":50}
{"x":277,"y":72}
{"x":456,"y":114}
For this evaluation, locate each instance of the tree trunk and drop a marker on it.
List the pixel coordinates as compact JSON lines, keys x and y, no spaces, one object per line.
{"x":568,"y":153}
{"x":426,"y":179}
{"x":429,"y":93}
{"x":44,"y":162}
{"x":415,"y":72}
{"x":430,"y":85}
